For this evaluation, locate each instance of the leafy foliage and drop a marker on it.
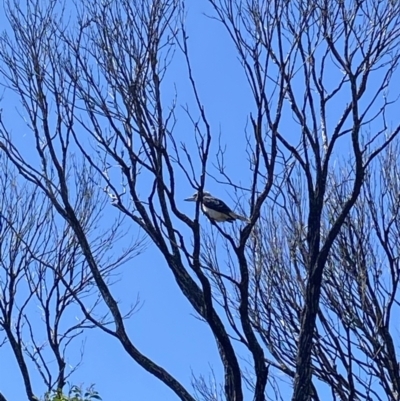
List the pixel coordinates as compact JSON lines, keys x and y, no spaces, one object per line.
{"x":75,"y":393}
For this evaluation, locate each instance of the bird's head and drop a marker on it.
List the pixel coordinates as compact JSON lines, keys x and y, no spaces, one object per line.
{"x":196,"y":195}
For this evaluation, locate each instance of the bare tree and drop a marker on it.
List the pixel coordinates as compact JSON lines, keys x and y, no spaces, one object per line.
{"x":355,"y":340}
{"x":305,"y":42}
{"x":43,"y":273}
{"x":326,"y":66}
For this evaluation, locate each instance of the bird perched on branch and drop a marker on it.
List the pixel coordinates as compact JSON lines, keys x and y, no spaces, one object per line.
{"x":215,"y":209}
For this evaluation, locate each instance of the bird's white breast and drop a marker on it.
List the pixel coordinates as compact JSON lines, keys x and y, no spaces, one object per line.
{"x":213,"y":214}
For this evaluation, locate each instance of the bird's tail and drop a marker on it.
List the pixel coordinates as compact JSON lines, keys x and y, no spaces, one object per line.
{"x":239,"y":217}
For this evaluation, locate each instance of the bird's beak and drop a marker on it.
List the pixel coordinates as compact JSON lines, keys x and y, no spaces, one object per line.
{"x":191,"y":199}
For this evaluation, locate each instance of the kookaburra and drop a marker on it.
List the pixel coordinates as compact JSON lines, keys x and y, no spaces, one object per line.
{"x":215,"y":209}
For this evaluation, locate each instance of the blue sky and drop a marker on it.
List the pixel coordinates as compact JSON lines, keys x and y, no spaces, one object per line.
{"x":164,"y":328}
